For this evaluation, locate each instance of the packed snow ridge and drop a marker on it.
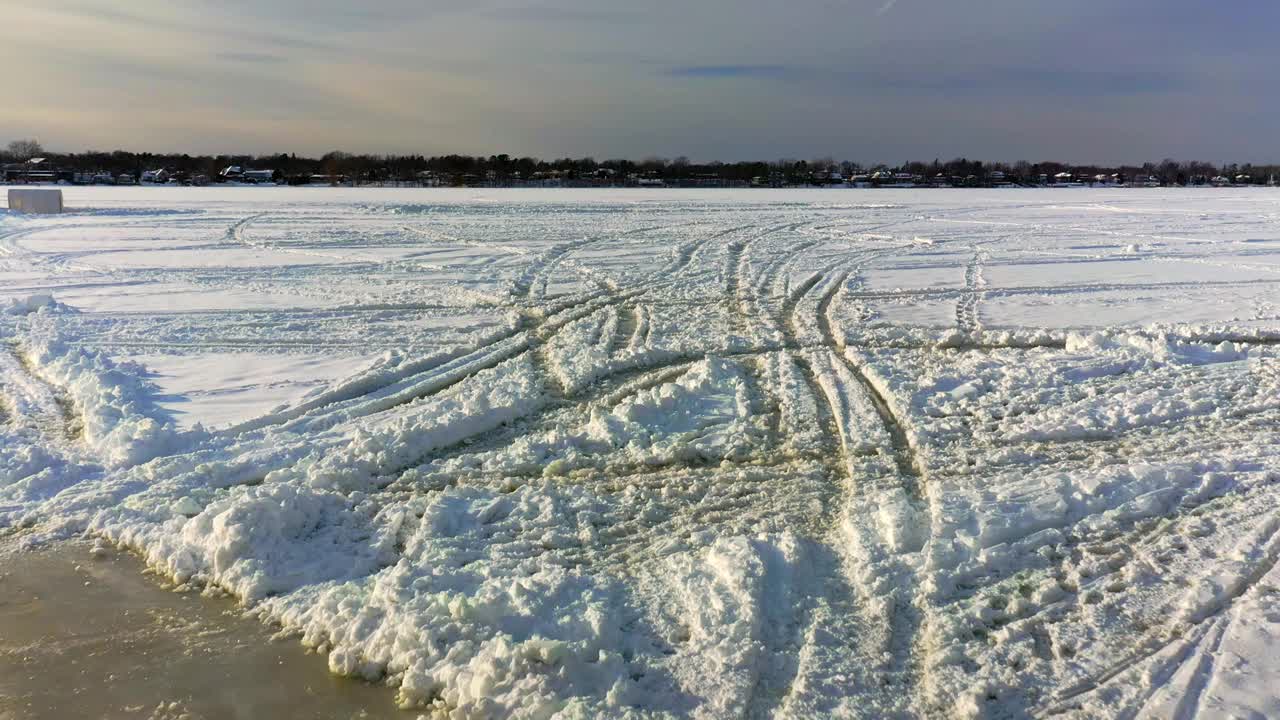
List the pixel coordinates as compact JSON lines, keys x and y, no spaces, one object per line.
{"x":715,"y":455}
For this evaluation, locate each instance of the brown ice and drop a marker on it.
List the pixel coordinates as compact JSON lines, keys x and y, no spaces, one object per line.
{"x":86,"y":637}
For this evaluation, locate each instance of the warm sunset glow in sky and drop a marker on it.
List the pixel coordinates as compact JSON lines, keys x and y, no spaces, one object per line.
{"x":715,"y":79}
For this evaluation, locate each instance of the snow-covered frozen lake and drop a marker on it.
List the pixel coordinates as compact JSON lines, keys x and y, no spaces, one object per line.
{"x":712,"y":454}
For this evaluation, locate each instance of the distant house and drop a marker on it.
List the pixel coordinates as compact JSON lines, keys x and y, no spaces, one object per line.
{"x":1220,"y":181}
{"x":258,"y":176}
{"x":1106,"y":180}
{"x":156,"y":176}
{"x":231,"y":172}
{"x":35,"y":170}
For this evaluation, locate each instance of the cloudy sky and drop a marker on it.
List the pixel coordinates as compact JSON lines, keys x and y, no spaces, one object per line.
{"x":870,"y":80}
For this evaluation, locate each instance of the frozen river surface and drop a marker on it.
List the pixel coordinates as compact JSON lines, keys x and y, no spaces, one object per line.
{"x":708,"y":454}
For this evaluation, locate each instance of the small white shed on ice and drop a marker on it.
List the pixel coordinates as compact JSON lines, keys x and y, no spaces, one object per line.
{"x":35,"y":200}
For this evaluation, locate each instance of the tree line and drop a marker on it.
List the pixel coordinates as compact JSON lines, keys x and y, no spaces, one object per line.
{"x":499,"y":169}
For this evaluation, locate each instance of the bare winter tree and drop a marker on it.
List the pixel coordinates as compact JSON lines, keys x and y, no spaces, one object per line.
{"x":23,"y":150}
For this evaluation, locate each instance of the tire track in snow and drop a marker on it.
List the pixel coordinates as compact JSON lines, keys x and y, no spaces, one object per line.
{"x":403,"y":383}
{"x":611,"y":388}
{"x":686,"y":253}
{"x":1200,"y":622}
{"x":731,"y":286}
{"x":762,"y":290}
{"x":1143,"y":538}
{"x":836,"y":627}
{"x":1203,"y":646}
{"x":237,"y":234}
{"x":967,"y":305}
{"x":529,"y":338}
{"x":538,"y":273}
{"x":608,"y":390}
{"x":1067,"y":289}
{"x":904,"y":454}
{"x":34,"y":402}
{"x":55,"y":262}
{"x":905,"y":664}
{"x":745,"y":293}
{"x":625,"y":329}
{"x":445,"y":238}
{"x":834,"y":608}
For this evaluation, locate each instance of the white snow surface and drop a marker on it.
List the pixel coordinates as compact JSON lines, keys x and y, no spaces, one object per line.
{"x":643,"y":453}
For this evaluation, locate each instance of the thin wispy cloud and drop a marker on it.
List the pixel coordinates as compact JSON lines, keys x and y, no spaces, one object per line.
{"x":727,"y":71}
{"x":886,"y":7}
{"x":251,"y":57}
